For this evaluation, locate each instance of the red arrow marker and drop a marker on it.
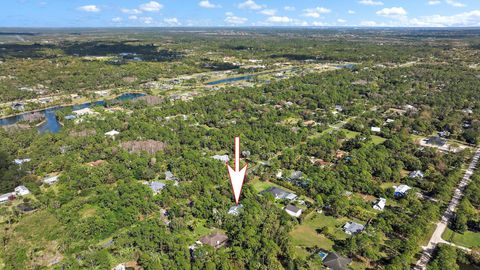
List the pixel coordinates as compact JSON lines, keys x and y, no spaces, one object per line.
{"x":237,"y":176}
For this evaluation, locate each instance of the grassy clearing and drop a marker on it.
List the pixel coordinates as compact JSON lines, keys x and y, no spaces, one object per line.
{"x":468,"y":239}
{"x":35,"y":241}
{"x":305,"y":235}
{"x":260,"y":186}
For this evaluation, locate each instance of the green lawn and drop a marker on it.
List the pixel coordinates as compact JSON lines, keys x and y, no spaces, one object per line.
{"x":260,"y":186}
{"x":468,"y":239}
{"x":305,"y":235}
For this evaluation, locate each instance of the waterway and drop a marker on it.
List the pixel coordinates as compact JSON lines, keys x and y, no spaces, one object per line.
{"x":52,"y":124}
{"x":234,"y":79}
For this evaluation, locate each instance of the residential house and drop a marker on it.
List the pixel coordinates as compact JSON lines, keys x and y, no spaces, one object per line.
{"x":376,"y":129}
{"x":156,"y":187}
{"x":416,"y":174}
{"x":296,"y":175}
{"x":20,"y":161}
{"x":380,"y":204}
{"x":83,"y":112}
{"x":280,"y":194}
{"x":18,"y":106}
{"x":351,"y":228}
{"x":235,"y":210}
{"x":22,"y":191}
{"x":112,"y":133}
{"x":215,"y":240}
{"x":7,"y":197}
{"x":223,"y":158}
{"x":401,"y":190}
{"x":51,"y":180}
{"x":170,"y":177}
{"x":293,"y":211}
{"x":334,"y":261}
{"x":120,"y":267}
{"x":436,"y":141}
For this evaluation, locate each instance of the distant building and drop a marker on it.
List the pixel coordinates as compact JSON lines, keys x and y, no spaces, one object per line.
{"x":296,"y":175}
{"x":20,"y":161}
{"x":376,"y":129}
{"x":51,"y":180}
{"x":18,"y":106}
{"x":416,"y":174}
{"x":293,"y":211}
{"x":215,"y":240}
{"x":223,"y":158}
{"x":85,"y":111}
{"x":7,"y":197}
{"x":334,"y":261}
{"x":353,"y":228}
{"x":170,"y":177}
{"x":156,"y":187}
{"x":120,"y":267}
{"x":436,"y":141}
{"x":380,"y":204}
{"x":280,"y":194}
{"x":112,"y":133}
{"x":235,"y":210}
{"x":401,"y":190}
{"x":22,"y":191}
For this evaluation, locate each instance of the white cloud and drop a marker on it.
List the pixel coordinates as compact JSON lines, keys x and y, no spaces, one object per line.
{"x":234,"y":20}
{"x":133,"y":17}
{"x":269,"y":12}
{"x":89,"y":8}
{"x":250,"y":4}
{"x":146,"y":20}
{"x":341,"y":21}
{"x":351,"y":12}
{"x":117,"y":19}
{"x":315,"y":12}
{"x":151,"y":6}
{"x":318,"y":23}
{"x":394,"y":12}
{"x":279,"y":19}
{"x":370,"y":3}
{"x":434,"y":2}
{"x":130,"y":11}
{"x":471,"y":18}
{"x":289,"y":8}
{"x":454,"y":3}
{"x":208,"y":4}
{"x":172,"y":21}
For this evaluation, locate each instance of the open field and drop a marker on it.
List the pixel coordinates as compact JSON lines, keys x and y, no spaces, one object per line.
{"x":468,"y":239}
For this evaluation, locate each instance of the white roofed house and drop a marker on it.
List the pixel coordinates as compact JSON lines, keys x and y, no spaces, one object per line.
{"x":353,"y":228}
{"x":223,"y":158}
{"x":401,"y":190}
{"x":380,"y":204}
{"x":7,"y":197}
{"x":376,"y":129}
{"x":22,"y":191}
{"x":416,"y":174}
{"x":156,"y":187}
{"x":112,"y":133}
{"x":293,"y":211}
{"x":51,"y":180}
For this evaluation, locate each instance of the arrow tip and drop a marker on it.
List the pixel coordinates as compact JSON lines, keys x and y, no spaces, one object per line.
{"x":236,"y":179}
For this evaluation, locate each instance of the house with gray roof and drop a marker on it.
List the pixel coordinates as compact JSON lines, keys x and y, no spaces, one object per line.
{"x":280,"y":194}
{"x":235,"y":210}
{"x":334,"y":261}
{"x":351,"y":228}
{"x":156,"y":187}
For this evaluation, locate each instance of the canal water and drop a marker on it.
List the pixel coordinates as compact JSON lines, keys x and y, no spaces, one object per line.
{"x":52,"y":124}
{"x":235,"y":79}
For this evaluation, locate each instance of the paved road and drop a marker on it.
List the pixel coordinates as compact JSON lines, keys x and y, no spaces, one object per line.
{"x":442,"y":224}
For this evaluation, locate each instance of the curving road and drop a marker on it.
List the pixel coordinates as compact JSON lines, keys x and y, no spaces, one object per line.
{"x":442,"y":224}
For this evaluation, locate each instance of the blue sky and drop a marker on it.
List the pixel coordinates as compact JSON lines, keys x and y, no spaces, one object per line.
{"x":111,"y":13}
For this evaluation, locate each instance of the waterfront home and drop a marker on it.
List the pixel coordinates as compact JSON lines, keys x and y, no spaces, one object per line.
{"x":280,"y":194}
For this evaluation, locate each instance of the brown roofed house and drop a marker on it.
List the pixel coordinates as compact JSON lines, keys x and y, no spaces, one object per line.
{"x":215,"y":240}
